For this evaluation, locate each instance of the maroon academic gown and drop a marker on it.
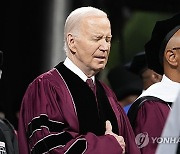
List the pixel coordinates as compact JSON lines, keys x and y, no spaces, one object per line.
{"x":60,"y":114}
{"x":150,"y":121}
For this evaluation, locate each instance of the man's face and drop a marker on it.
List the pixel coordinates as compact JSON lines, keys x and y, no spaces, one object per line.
{"x":174,"y":46}
{"x":150,"y":77}
{"x":92,"y":45}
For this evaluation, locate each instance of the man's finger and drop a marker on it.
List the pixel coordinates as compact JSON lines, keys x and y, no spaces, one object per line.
{"x":108,"y":126}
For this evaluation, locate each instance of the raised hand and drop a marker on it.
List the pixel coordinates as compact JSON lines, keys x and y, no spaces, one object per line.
{"x":120,"y":139}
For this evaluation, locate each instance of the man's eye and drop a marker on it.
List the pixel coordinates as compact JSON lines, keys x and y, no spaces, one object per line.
{"x":108,"y":39}
{"x":98,"y":38}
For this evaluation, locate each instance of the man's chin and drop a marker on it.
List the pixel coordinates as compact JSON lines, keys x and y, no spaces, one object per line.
{"x":100,"y":69}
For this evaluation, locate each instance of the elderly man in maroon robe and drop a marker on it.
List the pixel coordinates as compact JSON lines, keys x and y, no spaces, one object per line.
{"x":61,"y":113}
{"x":149,"y":112}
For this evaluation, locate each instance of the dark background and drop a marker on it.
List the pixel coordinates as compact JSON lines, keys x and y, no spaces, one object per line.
{"x":22,"y":32}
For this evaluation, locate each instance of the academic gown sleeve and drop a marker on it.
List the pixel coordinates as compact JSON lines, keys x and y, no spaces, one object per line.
{"x":48,"y":123}
{"x":150,"y":121}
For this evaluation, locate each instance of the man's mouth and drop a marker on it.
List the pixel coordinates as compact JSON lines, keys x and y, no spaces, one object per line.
{"x":100,"y":57}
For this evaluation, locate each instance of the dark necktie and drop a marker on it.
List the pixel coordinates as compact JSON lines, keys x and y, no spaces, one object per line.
{"x":91,"y":85}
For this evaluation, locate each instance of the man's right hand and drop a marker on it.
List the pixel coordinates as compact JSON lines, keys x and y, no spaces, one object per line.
{"x":120,"y":139}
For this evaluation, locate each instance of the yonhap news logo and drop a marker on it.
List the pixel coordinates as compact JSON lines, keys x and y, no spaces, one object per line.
{"x":143,"y":139}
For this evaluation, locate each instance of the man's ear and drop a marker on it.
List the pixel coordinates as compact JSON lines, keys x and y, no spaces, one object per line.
{"x":71,"y":43}
{"x":156,"y":77}
{"x":171,"y":57}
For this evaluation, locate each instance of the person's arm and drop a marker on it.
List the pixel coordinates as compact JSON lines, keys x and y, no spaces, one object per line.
{"x":43,"y":127}
{"x":150,"y":121}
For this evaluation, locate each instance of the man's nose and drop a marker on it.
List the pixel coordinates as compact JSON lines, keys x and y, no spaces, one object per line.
{"x":104,"y":45}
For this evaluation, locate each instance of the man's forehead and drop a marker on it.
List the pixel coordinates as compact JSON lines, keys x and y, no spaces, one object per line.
{"x":174,"y":40}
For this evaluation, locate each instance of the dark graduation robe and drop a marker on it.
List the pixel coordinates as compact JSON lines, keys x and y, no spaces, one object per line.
{"x":152,"y":113}
{"x":150,"y":121}
{"x":60,"y":114}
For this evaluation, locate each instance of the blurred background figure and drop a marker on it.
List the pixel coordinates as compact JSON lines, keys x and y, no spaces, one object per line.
{"x":1,"y":62}
{"x":8,"y":138}
{"x":126,"y":85}
{"x":139,"y":66}
{"x":2,"y":114}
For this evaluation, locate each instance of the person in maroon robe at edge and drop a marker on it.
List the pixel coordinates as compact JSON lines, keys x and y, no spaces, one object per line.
{"x":60,"y":113}
{"x":149,"y":112}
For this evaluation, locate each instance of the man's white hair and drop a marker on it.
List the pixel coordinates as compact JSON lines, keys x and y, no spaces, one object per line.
{"x":73,"y":21}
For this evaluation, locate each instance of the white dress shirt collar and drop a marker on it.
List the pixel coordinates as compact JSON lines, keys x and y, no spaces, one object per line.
{"x":70,"y":65}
